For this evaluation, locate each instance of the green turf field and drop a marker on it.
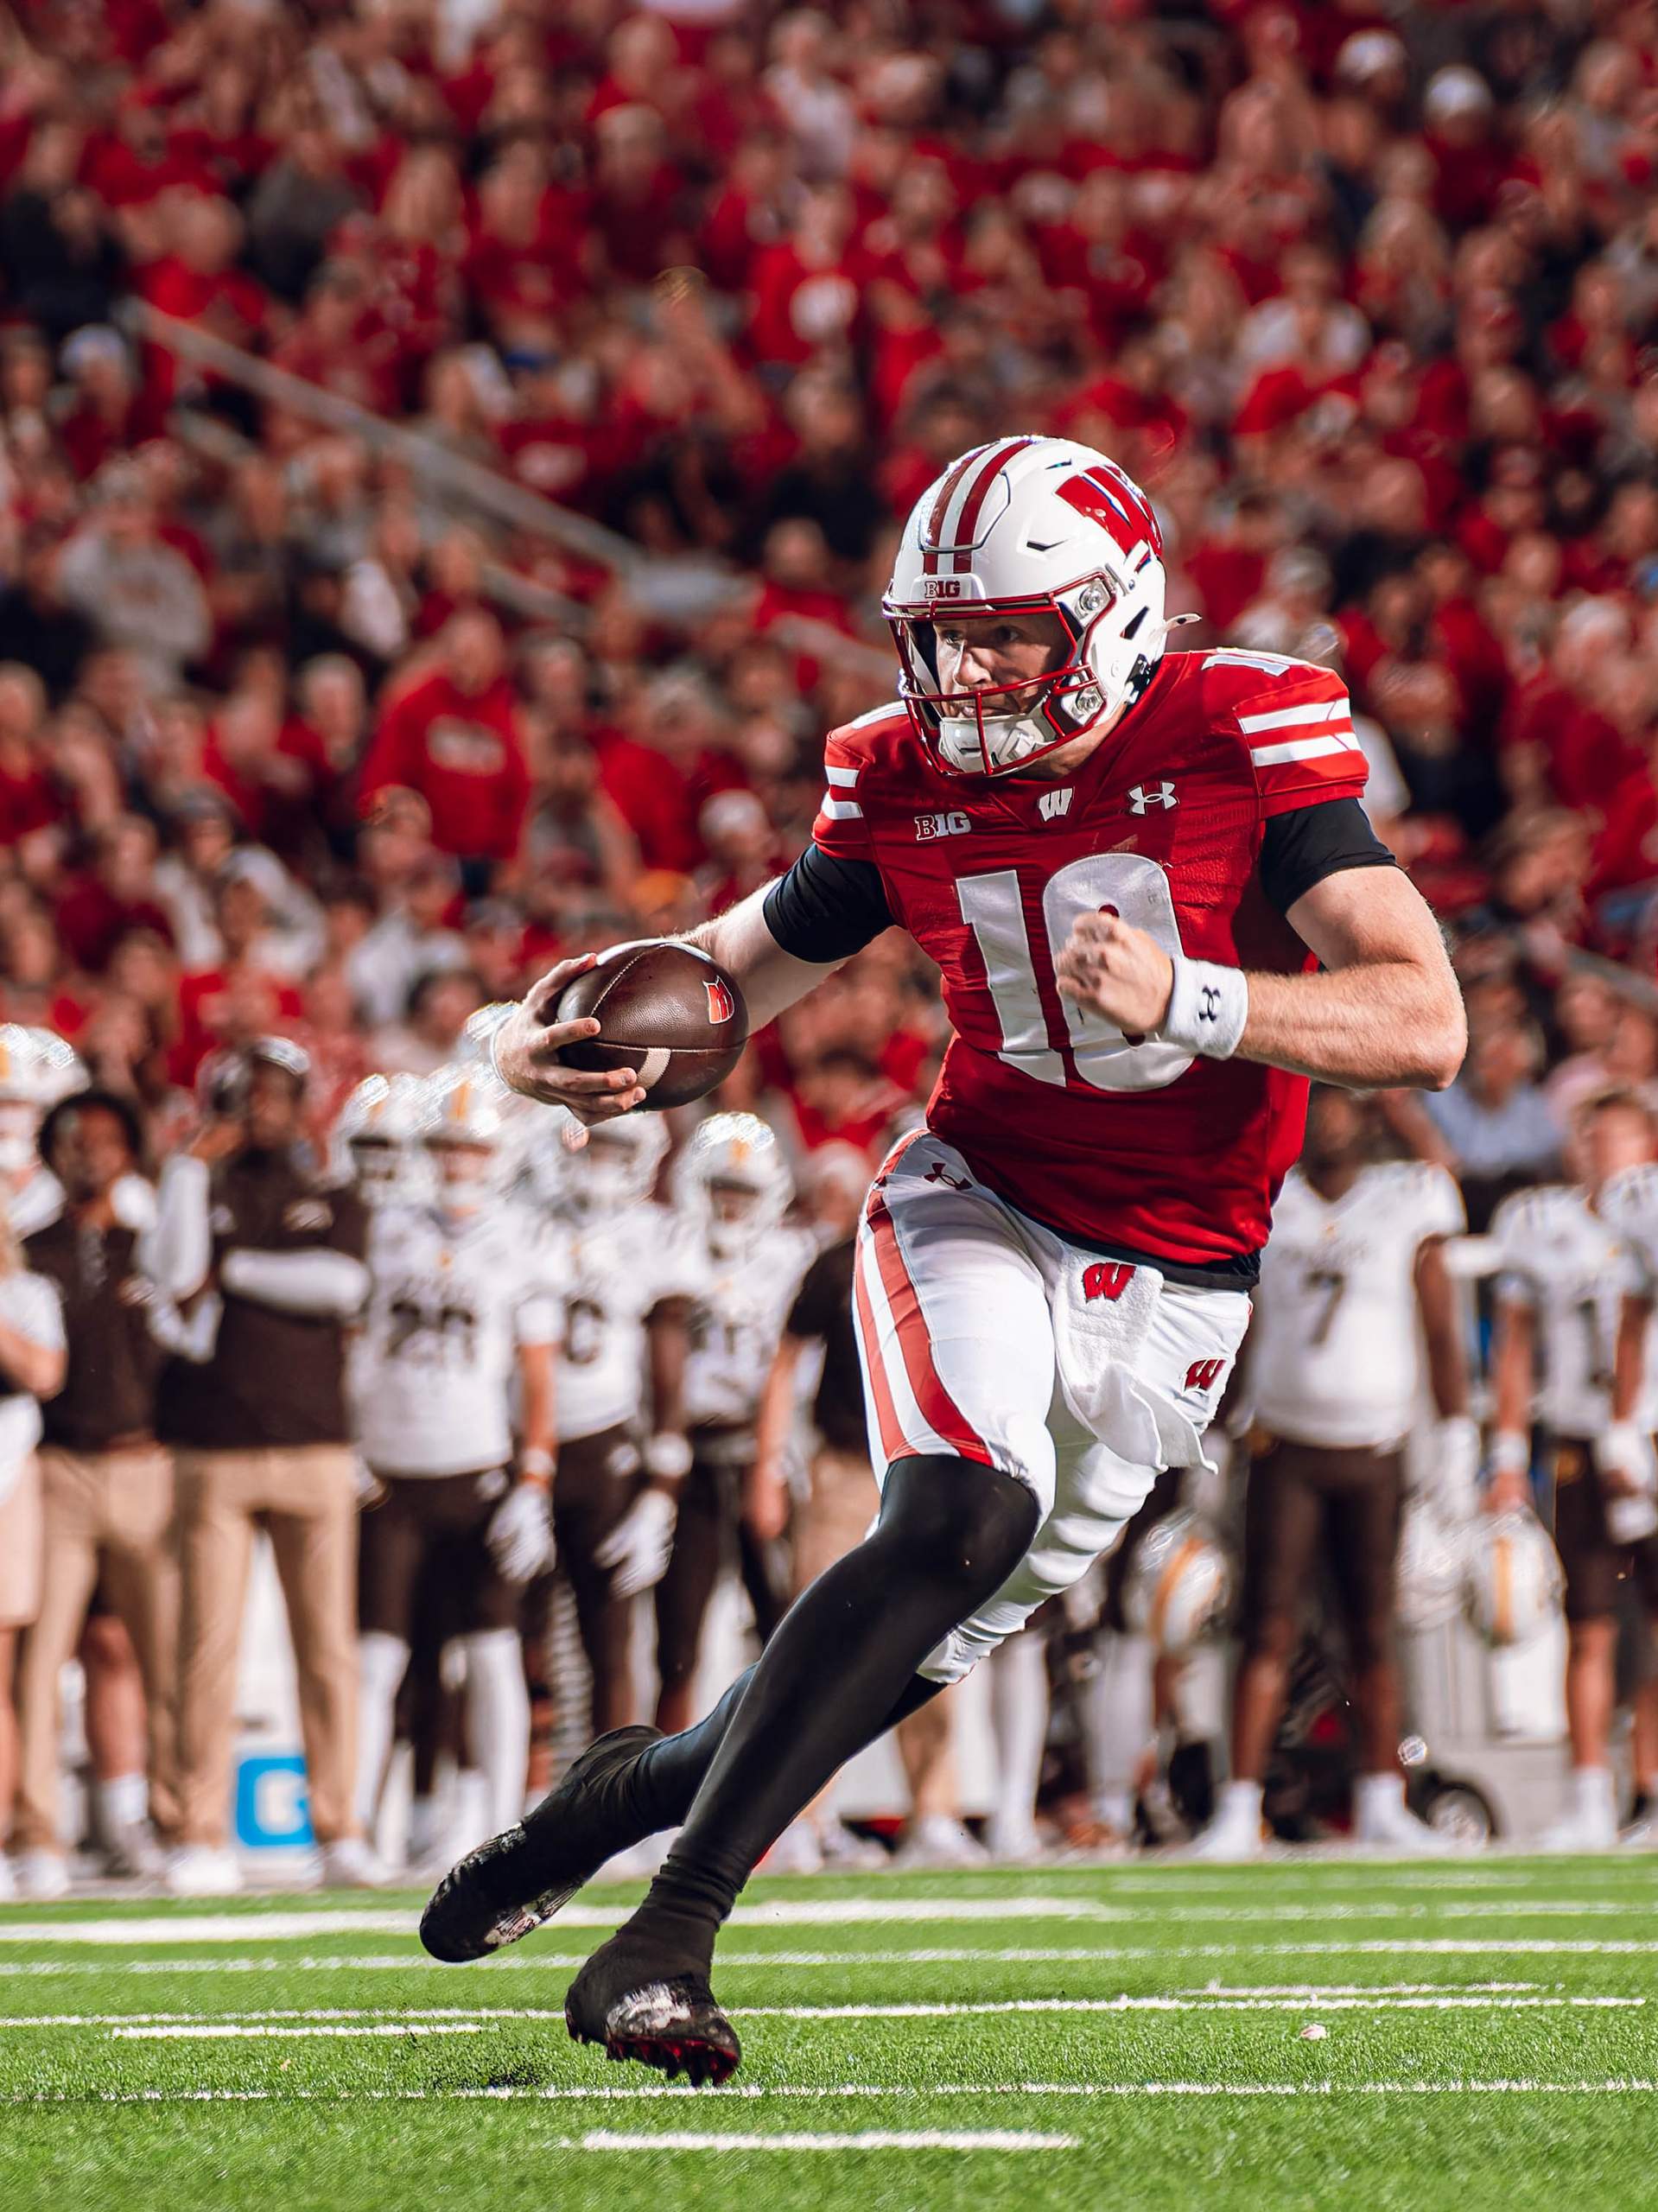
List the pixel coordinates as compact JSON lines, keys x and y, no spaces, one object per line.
{"x":1099,"y":2038}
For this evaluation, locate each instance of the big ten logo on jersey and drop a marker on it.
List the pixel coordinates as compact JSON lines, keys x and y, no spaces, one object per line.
{"x":928,"y":826}
{"x":721,"y":1005}
{"x":1107,"y":1279}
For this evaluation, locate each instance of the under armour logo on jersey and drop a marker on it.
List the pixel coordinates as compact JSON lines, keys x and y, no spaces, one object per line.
{"x":721,"y":1005}
{"x":1203,"y":1374}
{"x":941,"y":825}
{"x":1140,"y":798}
{"x":1052,"y":804}
{"x":1108,"y":1279}
{"x":939,"y":1173}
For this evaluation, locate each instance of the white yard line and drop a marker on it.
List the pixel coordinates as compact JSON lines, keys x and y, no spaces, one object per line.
{"x":814,"y":1912}
{"x":305,"y":2026}
{"x":897,"y":2092}
{"x":922,"y":2138}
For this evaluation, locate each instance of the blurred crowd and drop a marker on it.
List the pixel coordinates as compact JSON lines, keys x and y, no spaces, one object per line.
{"x":297,"y":735}
{"x":316,"y":731}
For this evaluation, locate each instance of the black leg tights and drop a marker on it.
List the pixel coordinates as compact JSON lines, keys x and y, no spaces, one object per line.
{"x":840,"y":1670}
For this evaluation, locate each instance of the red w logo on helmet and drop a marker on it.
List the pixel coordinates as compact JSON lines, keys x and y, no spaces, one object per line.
{"x":1106,"y":496}
{"x":721,"y":1005}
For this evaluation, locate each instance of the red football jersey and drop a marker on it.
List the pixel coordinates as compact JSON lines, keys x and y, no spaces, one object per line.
{"x":1107,"y":1138}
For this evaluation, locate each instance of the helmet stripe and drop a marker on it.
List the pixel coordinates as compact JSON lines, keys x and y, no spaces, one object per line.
{"x":966,"y":488}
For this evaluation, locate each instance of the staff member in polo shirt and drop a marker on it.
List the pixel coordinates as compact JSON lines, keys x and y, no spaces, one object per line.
{"x":261,"y":1436}
{"x":31,"y":1368}
{"x":106,"y":1485}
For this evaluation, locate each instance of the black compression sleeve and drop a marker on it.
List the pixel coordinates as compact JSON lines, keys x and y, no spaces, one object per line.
{"x":1300,"y":848}
{"x":825,"y":909}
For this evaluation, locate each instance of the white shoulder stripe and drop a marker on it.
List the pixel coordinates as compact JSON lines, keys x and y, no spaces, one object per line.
{"x":1321,"y":711}
{"x":845,"y":777}
{"x":876,"y":715}
{"x":841,"y":810}
{"x":1304,"y":748}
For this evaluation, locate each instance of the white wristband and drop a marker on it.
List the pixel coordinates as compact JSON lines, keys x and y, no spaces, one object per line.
{"x":1208,"y":1008}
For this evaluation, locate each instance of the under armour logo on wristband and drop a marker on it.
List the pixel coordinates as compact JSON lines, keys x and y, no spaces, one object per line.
{"x":1209,"y":1006}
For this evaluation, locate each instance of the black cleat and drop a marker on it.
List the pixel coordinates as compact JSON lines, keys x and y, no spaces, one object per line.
{"x":673,"y":2024}
{"x":520,"y":1879}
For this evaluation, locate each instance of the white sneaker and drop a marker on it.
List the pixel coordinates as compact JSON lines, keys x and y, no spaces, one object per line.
{"x":936,"y":1844}
{"x":42,"y":1876}
{"x":1383,"y":1821}
{"x":134,"y":1855}
{"x":1581,"y":1829}
{"x":203,"y":1869}
{"x":797,"y":1851}
{"x":845,"y":1851}
{"x":1236,"y":1831}
{"x":349,"y":1863}
{"x":1401,"y":1831}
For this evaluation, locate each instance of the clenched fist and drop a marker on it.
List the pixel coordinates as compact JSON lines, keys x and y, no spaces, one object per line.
{"x":1110,"y":968}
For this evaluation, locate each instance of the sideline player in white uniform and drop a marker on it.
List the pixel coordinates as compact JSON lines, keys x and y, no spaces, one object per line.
{"x":628,"y":1275}
{"x":1570,"y":1261}
{"x":37,"y":1070}
{"x":733,"y":1188}
{"x":458,"y":1310}
{"x":1126,"y":864}
{"x":1355,"y":1301}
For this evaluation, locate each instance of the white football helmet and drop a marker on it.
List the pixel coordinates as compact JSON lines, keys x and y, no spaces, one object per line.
{"x":1028,"y":525}
{"x":466,"y":1126}
{"x":617,"y":1167}
{"x":376,"y":1141}
{"x":36,"y":1069}
{"x":1178,"y":1585}
{"x":1513,"y":1582}
{"x":1432,"y":1567}
{"x":732,"y":1181}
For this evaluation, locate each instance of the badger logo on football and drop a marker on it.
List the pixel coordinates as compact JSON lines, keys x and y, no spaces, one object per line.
{"x":721,"y":1005}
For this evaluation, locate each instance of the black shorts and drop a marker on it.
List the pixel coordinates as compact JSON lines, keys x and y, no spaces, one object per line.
{"x":432,"y":1524}
{"x":1163,"y":1497}
{"x":1595,"y":1564}
{"x":1312,"y":1504}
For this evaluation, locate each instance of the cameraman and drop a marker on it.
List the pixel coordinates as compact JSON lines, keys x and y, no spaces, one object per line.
{"x":262,"y":1441}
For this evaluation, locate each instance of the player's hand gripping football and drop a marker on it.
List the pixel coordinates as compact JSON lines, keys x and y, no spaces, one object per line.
{"x":528,"y":1044}
{"x":1110,"y":968}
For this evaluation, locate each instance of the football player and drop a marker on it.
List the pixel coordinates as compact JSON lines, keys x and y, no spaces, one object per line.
{"x":1353,"y":1288}
{"x":37,"y":1070}
{"x":628,"y":1276}
{"x":1568,"y":1266}
{"x":376,"y":1143}
{"x":732,"y":1189}
{"x":1128,"y":864}
{"x":458,"y":1310}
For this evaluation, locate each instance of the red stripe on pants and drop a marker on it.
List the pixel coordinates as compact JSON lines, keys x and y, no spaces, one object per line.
{"x":938,"y":1409}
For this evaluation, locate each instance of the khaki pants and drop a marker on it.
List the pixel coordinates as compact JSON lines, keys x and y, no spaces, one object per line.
{"x":305,"y":1499}
{"x":108,"y":1512}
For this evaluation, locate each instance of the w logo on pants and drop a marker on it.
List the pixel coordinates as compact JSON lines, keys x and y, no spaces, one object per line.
{"x":1203,"y":1374}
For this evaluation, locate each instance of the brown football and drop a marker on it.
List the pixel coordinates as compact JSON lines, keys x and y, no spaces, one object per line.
{"x":666,"y":1010}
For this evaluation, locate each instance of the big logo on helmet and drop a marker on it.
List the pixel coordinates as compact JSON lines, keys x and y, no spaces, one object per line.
{"x":1107,"y":1279}
{"x":721,"y":1005}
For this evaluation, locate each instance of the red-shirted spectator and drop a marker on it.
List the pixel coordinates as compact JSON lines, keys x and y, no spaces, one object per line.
{"x":454,"y":736}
